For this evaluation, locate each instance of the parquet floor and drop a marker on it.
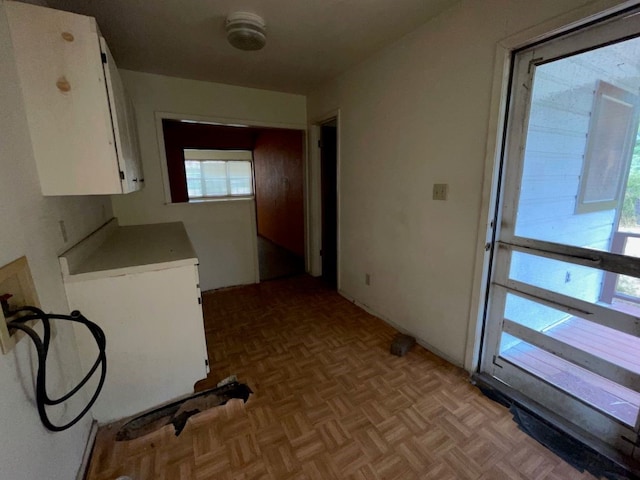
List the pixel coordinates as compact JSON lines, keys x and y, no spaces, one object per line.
{"x":330,"y":402}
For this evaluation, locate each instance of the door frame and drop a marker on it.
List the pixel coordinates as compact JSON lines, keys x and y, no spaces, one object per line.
{"x":314,"y":265}
{"x":492,"y":178}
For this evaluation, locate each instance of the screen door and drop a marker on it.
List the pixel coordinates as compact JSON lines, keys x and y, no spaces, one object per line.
{"x":563,"y":321}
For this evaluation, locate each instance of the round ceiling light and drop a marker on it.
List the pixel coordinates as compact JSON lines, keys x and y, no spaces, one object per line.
{"x":246,"y":31}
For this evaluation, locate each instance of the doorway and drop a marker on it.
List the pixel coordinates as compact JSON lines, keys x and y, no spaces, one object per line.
{"x":260,"y":167}
{"x":329,"y":200}
{"x":563,"y":317}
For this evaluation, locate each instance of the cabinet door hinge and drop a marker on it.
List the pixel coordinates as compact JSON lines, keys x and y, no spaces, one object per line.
{"x":199,"y":301}
{"x":103,"y":56}
{"x":121,"y":175}
{"x":206,"y":362}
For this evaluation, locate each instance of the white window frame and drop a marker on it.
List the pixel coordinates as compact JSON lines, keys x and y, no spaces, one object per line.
{"x":605,"y":91}
{"x":228,"y":157}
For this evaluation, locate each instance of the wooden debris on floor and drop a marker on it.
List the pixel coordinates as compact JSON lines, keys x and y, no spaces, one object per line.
{"x":177,"y":413}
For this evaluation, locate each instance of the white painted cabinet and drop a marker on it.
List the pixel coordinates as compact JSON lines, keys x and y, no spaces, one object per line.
{"x":81,"y":123}
{"x":140,"y":284}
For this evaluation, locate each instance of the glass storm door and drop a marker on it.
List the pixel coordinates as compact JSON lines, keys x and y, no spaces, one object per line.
{"x":563,"y":322}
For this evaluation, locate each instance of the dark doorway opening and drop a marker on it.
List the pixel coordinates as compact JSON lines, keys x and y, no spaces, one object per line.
{"x":329,"y":200}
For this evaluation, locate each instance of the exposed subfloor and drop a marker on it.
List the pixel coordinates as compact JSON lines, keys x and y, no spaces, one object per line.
{"x":330,"y":402}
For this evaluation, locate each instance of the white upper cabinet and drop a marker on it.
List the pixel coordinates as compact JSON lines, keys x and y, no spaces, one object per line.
{"x":81,"y":122}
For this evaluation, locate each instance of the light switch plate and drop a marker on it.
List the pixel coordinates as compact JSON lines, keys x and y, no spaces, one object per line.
{"x":440,"y":191}
{"x":16,"y":280}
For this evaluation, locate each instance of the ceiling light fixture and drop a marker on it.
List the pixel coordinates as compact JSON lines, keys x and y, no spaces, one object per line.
{"x":246,"y":31}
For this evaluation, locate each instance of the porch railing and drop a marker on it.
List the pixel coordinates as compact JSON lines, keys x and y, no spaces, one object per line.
{"x":610,"y":284}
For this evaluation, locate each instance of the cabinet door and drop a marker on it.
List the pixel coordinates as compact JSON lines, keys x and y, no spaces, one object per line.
{"x":203,"y":343}
{"x":133,"y":132}
{"x":123,"y":124}
{"x":153,"y":325}
{"x":58,"y":60}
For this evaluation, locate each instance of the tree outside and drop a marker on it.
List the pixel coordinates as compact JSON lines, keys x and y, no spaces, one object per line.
{"x":630,"y":217}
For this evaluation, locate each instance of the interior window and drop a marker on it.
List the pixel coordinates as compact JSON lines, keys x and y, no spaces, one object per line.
{"x":218,"y":173}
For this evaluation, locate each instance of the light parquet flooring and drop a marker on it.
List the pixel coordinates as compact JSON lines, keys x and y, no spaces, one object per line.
{"x":330,"y":402}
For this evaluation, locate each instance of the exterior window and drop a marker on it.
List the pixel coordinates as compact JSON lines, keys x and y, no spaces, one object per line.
{"x":612,"y":134}
{"x":218,"y":173}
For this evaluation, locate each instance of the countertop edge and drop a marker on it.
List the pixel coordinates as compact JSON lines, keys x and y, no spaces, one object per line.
{"x":132,"y":270}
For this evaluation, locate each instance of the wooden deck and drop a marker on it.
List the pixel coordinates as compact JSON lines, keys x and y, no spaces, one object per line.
{"x":611,"y":345}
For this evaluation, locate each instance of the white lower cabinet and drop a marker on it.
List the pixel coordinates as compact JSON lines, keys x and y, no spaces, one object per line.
{"x":152,"y":318}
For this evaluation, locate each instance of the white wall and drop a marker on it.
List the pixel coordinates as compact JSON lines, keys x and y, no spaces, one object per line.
{"x":30,"y":227}
{"x":414,"y":115}
{"x":222,"y":233}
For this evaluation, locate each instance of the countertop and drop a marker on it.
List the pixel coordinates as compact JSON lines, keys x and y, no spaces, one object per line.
{"x":115,"y":250}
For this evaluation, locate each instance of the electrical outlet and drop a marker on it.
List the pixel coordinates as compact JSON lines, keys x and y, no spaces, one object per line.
{"x":440,"y":191}
{"x":16,"y":290}
{"x":367,"y":279}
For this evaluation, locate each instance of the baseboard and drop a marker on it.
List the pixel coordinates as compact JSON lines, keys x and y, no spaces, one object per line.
{"x":88,"y":449}
{"x":423,"y":343}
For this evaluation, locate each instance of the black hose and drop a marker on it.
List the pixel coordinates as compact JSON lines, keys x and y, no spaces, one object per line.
{"x":42,"y":349}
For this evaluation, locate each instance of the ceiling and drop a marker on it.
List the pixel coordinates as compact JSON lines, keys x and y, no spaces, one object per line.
{"x":308,"y":41}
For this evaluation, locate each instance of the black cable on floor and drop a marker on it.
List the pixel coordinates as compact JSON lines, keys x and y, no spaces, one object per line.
{"x":42,"y":348}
